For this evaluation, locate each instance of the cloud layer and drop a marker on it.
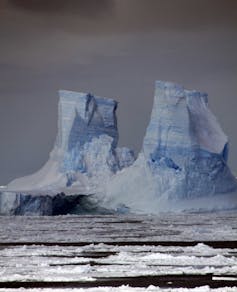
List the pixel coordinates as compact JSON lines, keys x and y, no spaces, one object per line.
{"x":113,"y":48}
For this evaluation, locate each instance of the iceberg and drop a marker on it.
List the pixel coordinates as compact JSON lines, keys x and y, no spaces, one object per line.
{"x":182,"y":164}
{"x":85,"y":151}
{"x":84,"y":157}
{"x":183,"y":160}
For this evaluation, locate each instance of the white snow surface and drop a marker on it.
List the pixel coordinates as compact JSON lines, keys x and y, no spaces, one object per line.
{"x":57,"y":263}
{"x":48,"y":177}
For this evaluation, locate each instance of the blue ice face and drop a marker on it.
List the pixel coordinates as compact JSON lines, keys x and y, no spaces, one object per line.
{"x":83,"y":118}
{"x":84,"y":123}
{"x":184,"y":135}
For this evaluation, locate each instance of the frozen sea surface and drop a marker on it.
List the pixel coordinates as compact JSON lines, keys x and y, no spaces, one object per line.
{"x":152,"y":253}
{"x":214,"y":226}
{"x":127,"y":289}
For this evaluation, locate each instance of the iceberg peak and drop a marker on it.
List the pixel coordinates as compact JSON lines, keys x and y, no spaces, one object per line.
{"x":184,"y":155}
{"x":182,"y":125}
{"x":85,"y":151}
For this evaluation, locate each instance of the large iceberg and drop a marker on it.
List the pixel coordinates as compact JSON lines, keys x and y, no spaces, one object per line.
{"x":84,"y":157}
{"x":182,"y":164}
{"x":183,"y":161}
{"x":85,"y":152}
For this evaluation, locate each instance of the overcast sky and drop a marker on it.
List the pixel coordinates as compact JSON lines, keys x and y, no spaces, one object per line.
{"x":112,"y":48}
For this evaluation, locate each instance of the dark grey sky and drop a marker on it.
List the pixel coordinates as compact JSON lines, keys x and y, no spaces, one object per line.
{"x":113,"y":48}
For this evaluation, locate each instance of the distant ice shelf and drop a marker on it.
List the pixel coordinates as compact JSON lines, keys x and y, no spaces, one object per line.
{"x":182,"y":164}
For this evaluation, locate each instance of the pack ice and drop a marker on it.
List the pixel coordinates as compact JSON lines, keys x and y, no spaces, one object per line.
{"x":182,"y":163}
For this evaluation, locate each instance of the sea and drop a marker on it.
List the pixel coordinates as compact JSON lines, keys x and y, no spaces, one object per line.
{"x":127,"y":252}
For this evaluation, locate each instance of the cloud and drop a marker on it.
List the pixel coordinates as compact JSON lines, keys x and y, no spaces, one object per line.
{"x":88,"y":8}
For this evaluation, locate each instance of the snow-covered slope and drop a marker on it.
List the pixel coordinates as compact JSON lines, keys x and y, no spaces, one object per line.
{"x":183,"y":158}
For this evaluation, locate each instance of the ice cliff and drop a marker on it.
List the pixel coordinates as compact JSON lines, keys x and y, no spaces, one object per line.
{"x":183,"y":160}
{"x":182,"y":164}
{"x":85,"y":151}
{"x":85,"y":154}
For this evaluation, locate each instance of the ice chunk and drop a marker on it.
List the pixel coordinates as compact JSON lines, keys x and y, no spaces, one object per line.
{"x":125,"y":157}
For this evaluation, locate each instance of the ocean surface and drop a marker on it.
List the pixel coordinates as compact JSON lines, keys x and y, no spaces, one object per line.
{"x":169,"y":252}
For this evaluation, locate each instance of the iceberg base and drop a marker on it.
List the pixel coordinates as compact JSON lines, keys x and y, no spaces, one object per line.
{"x":47,"y":205}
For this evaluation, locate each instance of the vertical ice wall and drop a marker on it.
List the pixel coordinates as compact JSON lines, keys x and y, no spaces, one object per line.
{"x":85,"y":152}
{"x":184,"y":154}
{"x":183,"y":157}
{"x":85,"y":116}
{"x":181,"y":125}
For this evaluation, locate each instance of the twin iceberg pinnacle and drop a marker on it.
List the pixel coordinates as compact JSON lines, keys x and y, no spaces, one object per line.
{"x":183,"y":157}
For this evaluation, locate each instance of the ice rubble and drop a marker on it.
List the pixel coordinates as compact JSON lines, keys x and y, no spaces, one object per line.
{"x":71,"y":263}
{"x":182,"y":164}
